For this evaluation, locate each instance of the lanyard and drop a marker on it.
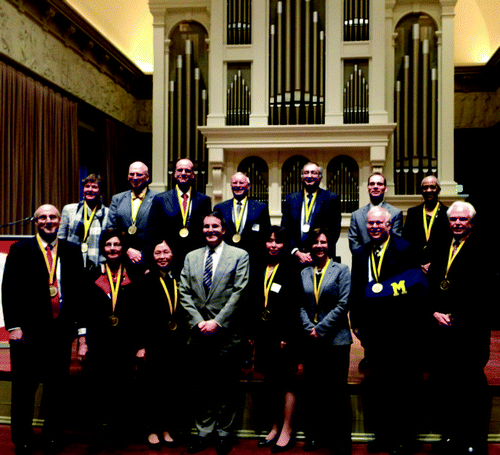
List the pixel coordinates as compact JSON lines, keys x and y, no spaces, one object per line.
{"x":309,"y":206}
{"x":427,"y":228}
{"x":184,"y":213}
{"x":174,"y":306}
{"x":376,"y":270}
{"x":115,"y":287}
{"x":317,"y":285}
{"x":451,"y":256}
{"x":86,"y":221}
{"x":51,"y":268}
{"x":238,"y":218}
{"x":268,"y":281}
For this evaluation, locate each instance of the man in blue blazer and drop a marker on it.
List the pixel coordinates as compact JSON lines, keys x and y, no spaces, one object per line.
{"x":308,"y":209}
{"x":247,"y":220}
{"x":211,"y":289}
{"x":377,"y":187}
{"x":177,"y":215}
{"x":129,"y":211}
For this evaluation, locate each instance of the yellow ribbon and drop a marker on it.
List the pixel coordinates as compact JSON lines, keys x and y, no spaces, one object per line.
{"x":86,"y":221}
{"x":50,"y":269}
{"x":428,"y":228}
{"x":309,"y":206}
{"x":136,"y":207}
{"x":376,"y":271}
{"x":174,"y":306}
{"x":451,"y":256}
{"x":268,"y":281}
{"x":238,"y":218}
{"x":184,"y":214}
{"x":115,"y":287}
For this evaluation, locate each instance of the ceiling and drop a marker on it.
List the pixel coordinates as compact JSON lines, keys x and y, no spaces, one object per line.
{"x":128,"y":24}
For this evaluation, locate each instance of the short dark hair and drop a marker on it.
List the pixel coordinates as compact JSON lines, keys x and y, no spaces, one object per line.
{"x":217,"y":214}
{"x":109,"y":234}
{"x":94,"y":178}
{"x":279,"y":233}
{"x":377,"y":173}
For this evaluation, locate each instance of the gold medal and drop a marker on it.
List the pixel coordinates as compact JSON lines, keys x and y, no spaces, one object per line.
{"x":266,"y":314}
{"x":132,"y":229}
{"x":236,"y":238}
{"x":85,"y":247}
{"x":444,"y":285}
{"x":52,"y":290}
{"x":113,"y":321}
{"x":184,"y":232}
{"x":377,"y":288}
{"x":172,"y":325}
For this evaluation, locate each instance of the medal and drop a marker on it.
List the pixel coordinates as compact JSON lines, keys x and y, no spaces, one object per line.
{"x":172,"y":325}
{"x":132,"y":229}
{"x":305,"y":228}
{"x":85,"y":247}
{"x":236,"y":238}
{"x":377,"y":288}
{"x":52,"y":290}
{"x":184,"y":232}
{"x":113,"y":321}
{"x":444,"y":285}
{"x":266,"y":315}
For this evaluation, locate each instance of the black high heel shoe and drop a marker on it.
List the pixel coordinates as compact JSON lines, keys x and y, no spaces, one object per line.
{"x":268,"y":442}
{"x":280,"y":449}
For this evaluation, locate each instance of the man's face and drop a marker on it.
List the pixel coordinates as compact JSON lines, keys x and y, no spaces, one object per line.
{"x":430,"y":189}
{"x":184,"y":172}
{"x":91,"y":191}
{"x":240,"y":186}
{"x":311,"y":176}
{"x":47,"y":222}
{"x":460,"y":222}
{"x":162,"y":255}
{"x":138,"y":176}
{"x":378,"y":226}
{"x":376,"y":187}
{"x":213,"y":231}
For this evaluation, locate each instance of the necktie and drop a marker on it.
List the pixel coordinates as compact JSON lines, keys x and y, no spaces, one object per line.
{"x":55,"y":301}
{"x":207,"y":275}
{"x":238,"y":209}
{"x":184,"y":202}
{"x":456,"y":244}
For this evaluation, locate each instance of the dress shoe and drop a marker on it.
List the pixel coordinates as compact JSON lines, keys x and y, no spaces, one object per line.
{"x":268,"y":442}
{"x":377,"y":446}
{"x":199,"y":444}
{"x":170,"y":444}
{"x":279,"y":449}
{"x":24,"y":449}
{"x":223,"y":446}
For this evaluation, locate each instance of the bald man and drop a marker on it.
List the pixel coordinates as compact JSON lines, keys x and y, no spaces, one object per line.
{"x":41,"y":300}
{"x":129,"y":211}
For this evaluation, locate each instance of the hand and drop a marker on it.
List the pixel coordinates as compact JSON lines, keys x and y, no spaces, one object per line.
{"x":208,"y":327}
{"x":283,"y":344}
{"x":141,"y":354}
{"x":425,"y":267}
{"x":443,"y":319}
{"x":82,"y":348}
{"x":134,"y":255}
{"x":304,"y":258}
{"x":314,"y":334}
{"x":16,"y":335}
{"x":356,"y":333}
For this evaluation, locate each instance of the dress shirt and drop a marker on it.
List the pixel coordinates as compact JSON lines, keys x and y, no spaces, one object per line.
{"x":215,"y":257}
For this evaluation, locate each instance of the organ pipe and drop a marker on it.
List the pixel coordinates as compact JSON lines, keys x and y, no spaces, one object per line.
{"x":356,"y":97}
{"x":239,"y":17}
{"x":356,"y":20}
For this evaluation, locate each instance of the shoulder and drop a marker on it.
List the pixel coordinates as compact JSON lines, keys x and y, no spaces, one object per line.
{"x":293,"y":197}
{"x":70,"y":208}
{"x":117,"y":198}
{"x":325,"y":194}
{"x":360,"y":212}
{"x":414,"y":210}
{"x":400,"y":243}
{"x":235,"y":252}
{"x":151,"y":193}
{"x":224,"y":205}
{"x":391,"y":209}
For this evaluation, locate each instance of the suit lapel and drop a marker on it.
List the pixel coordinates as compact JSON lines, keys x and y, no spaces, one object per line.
{"x":219,"y":272}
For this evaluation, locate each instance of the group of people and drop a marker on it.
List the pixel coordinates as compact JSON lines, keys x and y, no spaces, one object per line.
{"x":162,"y":291}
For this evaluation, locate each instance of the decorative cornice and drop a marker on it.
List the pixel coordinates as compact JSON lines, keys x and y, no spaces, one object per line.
{"x":63,"y":22}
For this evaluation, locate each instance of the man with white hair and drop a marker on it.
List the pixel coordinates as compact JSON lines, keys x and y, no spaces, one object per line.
{"x":460,"y":285}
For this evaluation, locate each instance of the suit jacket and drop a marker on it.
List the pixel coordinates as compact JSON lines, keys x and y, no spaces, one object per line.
{"x":380,"y":318}
{"x":166,"y":221}
{"x":225,"y":296}
{"x":358,"y":234}
{"x":333,"y":325}
{"x":120,"y":216}
{"x":326,"y":214}
{"x":255,"y":230}
{"x":414,"y":231}
{"x":25,"y":290}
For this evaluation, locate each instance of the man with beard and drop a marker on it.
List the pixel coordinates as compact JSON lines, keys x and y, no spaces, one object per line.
{"x":308,"y":209}
{"x":211,"y":289}
{"x":41,"y":297}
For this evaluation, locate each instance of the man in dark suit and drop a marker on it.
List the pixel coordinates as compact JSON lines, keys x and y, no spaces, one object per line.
{"x":309,"y":209}
{"x":461,"y":289}
{"x":177,"y":214}
{"x":211,"y":289}
{"x":247,"y":221}
{"x":40,"y":294}
{"x":385,"y":316}
{"x":377,"y":187}
{"x":129,"y":211}
{"x":426,"y":225}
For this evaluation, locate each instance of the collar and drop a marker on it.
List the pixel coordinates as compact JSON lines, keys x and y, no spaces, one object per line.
{"x":141,"y":195}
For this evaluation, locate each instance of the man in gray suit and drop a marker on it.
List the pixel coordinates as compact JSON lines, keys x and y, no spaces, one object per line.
{"x":377,"y":187}
{"x":211,"y":290}
{"x":129,"y":210}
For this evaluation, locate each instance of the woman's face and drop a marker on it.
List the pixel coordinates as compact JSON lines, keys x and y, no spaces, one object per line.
{"x":113,"y":249}
{"x":273,"y":247}
{"x":320,"y":247}
{"x":162,"y":255}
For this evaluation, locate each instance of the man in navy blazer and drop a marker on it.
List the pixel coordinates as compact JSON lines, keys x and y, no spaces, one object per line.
{"x":129,"y":211}
{"x":177,"y":215}
{"x":41,"y":308}
{"x":377,"y":187}
{"x":247,"y":220}
{"x":308,"y":209}
{"x":211,"y":290}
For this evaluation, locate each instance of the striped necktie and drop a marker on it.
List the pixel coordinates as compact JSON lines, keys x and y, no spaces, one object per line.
{"x":207,"y":274}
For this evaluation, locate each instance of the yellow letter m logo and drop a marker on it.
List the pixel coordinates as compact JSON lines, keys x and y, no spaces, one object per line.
{"x":399,"y":288}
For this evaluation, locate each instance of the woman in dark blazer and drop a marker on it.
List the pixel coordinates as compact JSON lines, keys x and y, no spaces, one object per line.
{"x":112,"y":319}
{"x":163,"y":375}
{"x":327,"y":341}
{"x":276,"y":327}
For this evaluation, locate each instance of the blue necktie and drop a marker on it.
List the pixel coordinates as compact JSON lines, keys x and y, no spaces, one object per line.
{"x":207,"y":274}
